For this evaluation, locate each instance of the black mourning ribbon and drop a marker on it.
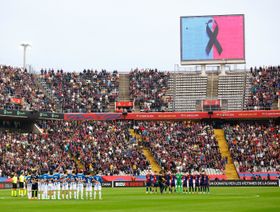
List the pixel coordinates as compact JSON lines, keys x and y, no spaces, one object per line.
{"x":213,"y":38}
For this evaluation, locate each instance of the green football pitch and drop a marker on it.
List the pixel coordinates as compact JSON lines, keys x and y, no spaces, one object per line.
{"x":135,"y":199}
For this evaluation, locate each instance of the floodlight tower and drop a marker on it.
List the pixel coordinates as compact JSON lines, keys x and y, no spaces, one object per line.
{"x":24,"y":45}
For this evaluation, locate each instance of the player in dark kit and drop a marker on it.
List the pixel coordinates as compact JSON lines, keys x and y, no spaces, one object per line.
{"x":155,"y":182}
{"x":206,"y":183}
{"x":173,"y":183}
{"x":148,"y":183}
{"x":202,"y":183}
{"x":191,"y":188}
{"x":161,"y":182}
{"x":186,"y":183}
{"x":197,"y":185}
{"x":168,"y":182}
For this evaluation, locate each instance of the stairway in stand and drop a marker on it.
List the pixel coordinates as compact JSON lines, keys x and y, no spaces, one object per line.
{"x":124,"y":87}
{"x":154,"y":165}
{"x":146,"y":152}
{"x":230,"y":170}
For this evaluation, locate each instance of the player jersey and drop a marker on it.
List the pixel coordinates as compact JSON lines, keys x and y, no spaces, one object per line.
{"x":148,"y":178}
{"x":98,"y":178}
{"x":156,"y":177}
{"x":89,"y":180}
{"x":167,"y":178}
{"x":197,"y":179}
{"x":56,"y":176}
{"x":173,"y":179}
{"x":179,"y":177}
{"x":191,"y":179}
{"x":80,"y":176}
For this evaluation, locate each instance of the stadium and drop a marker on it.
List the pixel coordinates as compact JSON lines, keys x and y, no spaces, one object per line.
{"x":201,"y":136}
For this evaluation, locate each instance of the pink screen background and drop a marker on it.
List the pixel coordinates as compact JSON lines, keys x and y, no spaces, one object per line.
{"x":230,"y":36}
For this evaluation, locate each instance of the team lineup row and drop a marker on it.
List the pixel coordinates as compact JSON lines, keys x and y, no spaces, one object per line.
{"x":58,"y":186}
{"x":189,"y":183}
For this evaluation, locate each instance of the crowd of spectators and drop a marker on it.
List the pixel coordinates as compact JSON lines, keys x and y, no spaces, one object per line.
{"x":33,"y":152}
{"x":265,"y":87}
{"x":254,"y":146}
{"x":106,"y":147}
{"x":18,"y":91}
{"x":87,"y":91}
{"x":148,"y":89}
{"x":181,"y":145}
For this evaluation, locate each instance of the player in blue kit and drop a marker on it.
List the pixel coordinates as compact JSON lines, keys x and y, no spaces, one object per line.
{"x":97,"y":180}
{"x":56,"y":185}
{"x":89,"y":180}
{"x":80,"y":177}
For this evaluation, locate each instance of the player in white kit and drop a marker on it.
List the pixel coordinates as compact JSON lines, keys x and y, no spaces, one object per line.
{"x":80,"y":188}
{"x":89,"y":187}
{"x":73,"y":188}
{"x":29,"y":187}
{"x":50,"y":189}
{"x":97,"y":180}
{"x":65,"y":189}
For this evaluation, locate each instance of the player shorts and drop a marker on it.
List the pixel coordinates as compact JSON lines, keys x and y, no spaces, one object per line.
{"x":155,"y":184}
{"x":14,"y":185}
{"x":21,"y":185}
{"x":148,"y":184}
{"x":97,"y":187}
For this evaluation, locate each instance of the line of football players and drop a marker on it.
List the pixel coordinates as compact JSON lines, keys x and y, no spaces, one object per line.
{"x":63,"y":187}
{"x":179,"y":183}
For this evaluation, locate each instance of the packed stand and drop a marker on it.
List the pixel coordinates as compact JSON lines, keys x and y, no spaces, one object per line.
{"x":105,"y":147}
{"x":87,"y":91}
{"x":18,"y":91}
{"x":254,"y":146}
{"x":148,"y":89}
{"x":180,"y":145}
{"x":33,"y":153}
{"x":265,"y":87}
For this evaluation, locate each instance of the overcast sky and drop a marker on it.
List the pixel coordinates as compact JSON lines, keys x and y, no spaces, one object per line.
{"x":123,"y":34}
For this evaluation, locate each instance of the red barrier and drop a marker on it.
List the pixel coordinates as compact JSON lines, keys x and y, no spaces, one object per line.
{"x":246,"y":114}
{"x":253,"y":114}
{"x":167,"y":115}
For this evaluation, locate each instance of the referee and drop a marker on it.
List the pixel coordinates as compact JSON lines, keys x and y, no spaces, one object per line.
{"x":14,"y":182}
{"x":21,"y":184}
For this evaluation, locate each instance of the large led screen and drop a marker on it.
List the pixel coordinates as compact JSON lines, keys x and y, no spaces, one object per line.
{"x":212,"y":39}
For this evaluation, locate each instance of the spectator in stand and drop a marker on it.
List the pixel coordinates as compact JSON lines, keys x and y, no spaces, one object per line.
{"x":265,"y":88}
{"x":18,"y":91}
{"x":148,"y":88}
{"x":254,"y":146}
{"x":88,"y":91}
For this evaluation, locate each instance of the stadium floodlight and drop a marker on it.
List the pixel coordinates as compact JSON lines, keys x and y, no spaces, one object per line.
{"x":24,"y":45}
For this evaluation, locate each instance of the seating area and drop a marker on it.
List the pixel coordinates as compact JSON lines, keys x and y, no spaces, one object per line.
{"x":234,"y":90}
{"x":186,"y":89}
{"x":182,"y":145}
{"x":18,"y":91}
{"x":265,"y":87}
{"x":87,"y":91}
{"x":148,"y":88}
{"x":33,"y":152}
{"x":254,"y":146}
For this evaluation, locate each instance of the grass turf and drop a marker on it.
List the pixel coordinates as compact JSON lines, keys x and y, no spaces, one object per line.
{"x":135,"y":199}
